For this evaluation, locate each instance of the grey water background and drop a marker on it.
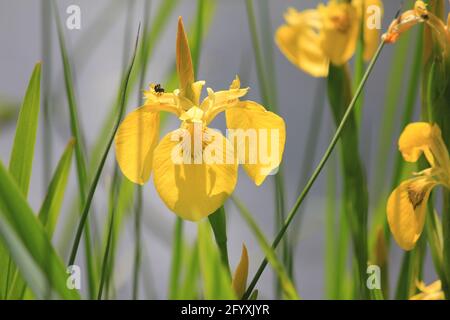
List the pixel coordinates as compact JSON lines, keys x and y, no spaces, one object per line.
{"x":227,"y":50}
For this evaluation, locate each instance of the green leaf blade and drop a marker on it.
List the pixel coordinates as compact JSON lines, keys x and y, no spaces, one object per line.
{"x":15,"y":211}
{"x":21,"y":161}
{"x":49,"y":212}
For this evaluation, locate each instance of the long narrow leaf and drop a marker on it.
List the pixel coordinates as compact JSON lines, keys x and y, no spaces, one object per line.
{"x":49,"y":212}
{"x":15,"y":211}
{"x":21,"y":161}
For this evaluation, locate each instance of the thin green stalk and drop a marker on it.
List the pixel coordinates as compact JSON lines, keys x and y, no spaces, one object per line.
{"x":113,"y":199}
{"x":318,"y":169}
{"x":309,"y":153}
{"x":341,"y":279}
{"x":355,"y":195}
{"x":330,"y":232}
{"x":99,"y":170}
{"x":138,"y":247}
{"x":79,"y":145}
{"x":269,"y":100}
{"x":197,"y":43}
{"x":46,"y":81}
{"x":288,"y":288}
{"x":138,"y":212}
{"x":177,"y":253}
{"x":219,"y":225}
{"x":263,"y":86}
{"x":433,"y":229}
{"x":359,"y":66}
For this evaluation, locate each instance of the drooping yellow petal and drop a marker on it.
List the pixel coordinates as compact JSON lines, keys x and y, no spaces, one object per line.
{"x":241,"y":273}
{"x":416,"y":138}
{"x":406,"y":209}
{"x":185,"y":68}
{"x":258,"y":137}
{"x":399,"y":25}
{"x":430,"y":292}
{"x":339,"y":34}
{"x":299,"y":41}
{"x":191,"y":190}
{"x":135,"y":141}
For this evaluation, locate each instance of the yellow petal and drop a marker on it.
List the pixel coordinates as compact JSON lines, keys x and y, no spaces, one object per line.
{"x":339,"y":35}
{"x":135,"y":141}
{"x":240,"y":274}
{"x":406,"y":21}
{"x":161,"y":101}
{"x":299,"y":41}
{"x":219,"y":101}
{"x":185,"y":68}
{"x":430,"y":292}
{"x":416,"y":138}
{"x":406,"y":209}
{"x":193,"y":191}
{"x":258,"y":138}
{"x":197,"y":91}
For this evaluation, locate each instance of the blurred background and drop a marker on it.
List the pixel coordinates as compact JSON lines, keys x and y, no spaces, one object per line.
{"x":28,"y":34}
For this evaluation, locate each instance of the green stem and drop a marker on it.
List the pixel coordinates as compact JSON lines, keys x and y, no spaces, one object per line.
{"x":99,"y":170}
{"x":137,"y":251}
{"x":330,"y":232}
{"x":317,"y":171}
{"x":177,"y":253}
{"x":263,"y":87}
{"x":219,"y":225}
{"x":106,"y":259}
{"x":79,"y":145}
{"x":138,"y":213}
{"x":268,"y":94}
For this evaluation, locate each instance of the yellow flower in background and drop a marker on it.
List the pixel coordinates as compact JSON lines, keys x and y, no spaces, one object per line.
{"x":193,"y":188}
{"x":430,"y":292}
{"x":420,"y":14}
{"x":407,"y":204}
{"x":313,"y":38}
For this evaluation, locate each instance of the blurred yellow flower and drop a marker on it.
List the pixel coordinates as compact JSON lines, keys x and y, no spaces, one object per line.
{"x":313,"y":38}
{"x":430,"y":292}
{"x":407,"y":204}
{"x":194,"y":188}
{"x":420,"y":14}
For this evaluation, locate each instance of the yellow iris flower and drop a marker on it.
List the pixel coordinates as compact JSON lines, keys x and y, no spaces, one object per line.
{"x":430,"y":292}
{"x":313,"y":38}
{"x":407,"y":204}
{"x":420,"y":14}
{"x":194,"y":189}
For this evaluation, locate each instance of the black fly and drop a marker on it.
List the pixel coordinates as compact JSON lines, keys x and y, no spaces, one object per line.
{"x":159,"y":89}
